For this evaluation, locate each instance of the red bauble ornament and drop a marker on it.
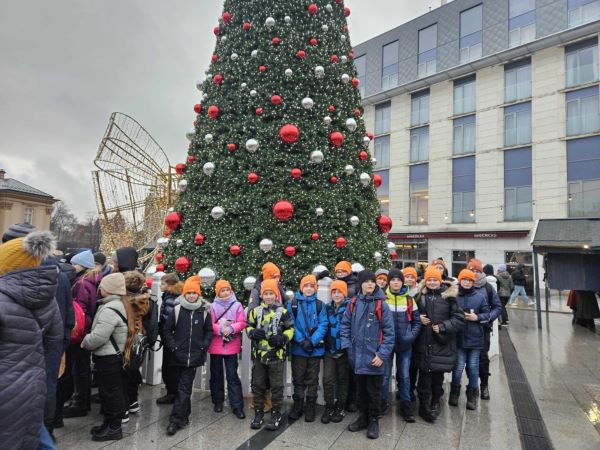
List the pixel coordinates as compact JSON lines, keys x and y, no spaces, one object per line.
{"x":252,"y":178}
{"x":384,"y":223}
{"x":182,"y":264}
{"x":394,"y":256}
{"x":362,"y":155}
{"x":235,"y":249}
{"x":167,"y":233}
{"x":289,"y":133}
{"x":213,"y":111}
{"x":336,"y":138}
{"x":276,"y":100}
{"x":262,"y":69}
{"x":296,"y":173}
{"x":355,"y":82}
{"x":346,"y":28}
{"x":199,"y":239}
{"x":377,"y":180}
{"x":226,"y":17}
{"x":149,"y":282}
{"x":334,"y":58}
{"x":216,"y":30}
{"x":346,"y":11}
{"x":160,"y":267}
{"x":259,"y":111}
{"x":197,"y":108}
{"x":331,"y":108}
{"x":173,"y":220}
{"x":283,"y":210}
{"x":190,"y":159}
{"x":357,"y":112}
{"x":247,"y":26}
{"x":214,"y":58}
{"x":314,"y":42}
{"x":370,"y":136}
{"x":340,"y":242}
{"x":231,"y":147}
{"x":301,"y":54}
{"x":351,"y":54}
{"x":218,"y":79}
{"x":276,"y":40}
{"x":290,"y":251}
{"x":315,"y":236}
{"x":313,"y":8}
{"x":180,"y":168}
{"x":159,"y":257}
{"x":333,"y":179}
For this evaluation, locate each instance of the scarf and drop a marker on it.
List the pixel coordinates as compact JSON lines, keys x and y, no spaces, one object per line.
{"x":191,"y":306}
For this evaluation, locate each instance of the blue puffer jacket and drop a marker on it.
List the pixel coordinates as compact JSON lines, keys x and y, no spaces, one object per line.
{"x":307,"y":319}
{"x":333,"y":343}
{"x":361,"y":331}
{"x":471,"y":336}
{"x":406,"y":329}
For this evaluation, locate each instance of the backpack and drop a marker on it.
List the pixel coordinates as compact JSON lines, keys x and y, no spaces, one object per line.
{"x":138,"y":349}
{"x":378,"y":312}
{"x":78,"y":331}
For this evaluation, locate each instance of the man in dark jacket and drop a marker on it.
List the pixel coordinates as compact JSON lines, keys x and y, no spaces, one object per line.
{"x":124,"y":259}
{"x":31,"y":334}
{"x":519,"y":281}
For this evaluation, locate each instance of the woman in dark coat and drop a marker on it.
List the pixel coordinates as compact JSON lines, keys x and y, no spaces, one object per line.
{"x":30,"y":329}
{"x":585,"y":308}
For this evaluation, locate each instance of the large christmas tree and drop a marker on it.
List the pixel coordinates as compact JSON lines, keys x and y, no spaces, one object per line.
{"x":278,"y":166}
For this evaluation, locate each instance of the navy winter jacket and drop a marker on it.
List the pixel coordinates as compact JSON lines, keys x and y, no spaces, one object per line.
{"x":406,"y":330}
{"x":472,"y":335}
{"x":361,"y":332}
{"x":64,"y":299}
{"x":333,"y":343}
{"x":169,"y":301}
{"x":308,"y":324}
{"x":493,"y":301}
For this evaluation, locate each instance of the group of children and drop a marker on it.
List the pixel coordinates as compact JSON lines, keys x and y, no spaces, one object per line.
{"x":430,"y":328}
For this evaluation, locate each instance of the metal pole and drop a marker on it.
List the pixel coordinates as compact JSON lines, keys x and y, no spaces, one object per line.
{"x":538,"y":296}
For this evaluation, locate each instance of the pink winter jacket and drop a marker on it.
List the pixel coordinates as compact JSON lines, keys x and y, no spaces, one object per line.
{"x":236,"y":318}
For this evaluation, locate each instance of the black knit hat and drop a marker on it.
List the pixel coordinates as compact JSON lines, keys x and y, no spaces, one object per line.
{"x":488,"y":269}
{"x":18,"y":230}
{"x":99,"y":258}
{"x":366,"y":275}
{"x":396,"y":273}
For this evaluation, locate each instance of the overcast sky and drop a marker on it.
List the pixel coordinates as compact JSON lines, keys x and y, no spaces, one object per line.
{"x":65,"y":66}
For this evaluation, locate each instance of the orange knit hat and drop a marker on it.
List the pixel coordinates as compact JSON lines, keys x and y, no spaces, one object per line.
{"x":308,"y":279}
{"x":270,"y":270}
{"x":432,"y":272}
{"x":466,"y":274}
{"x":344,"y":265}
{"x":340,"y":286}
{"x":270,"y":285}
{"x":410,"y":271}
{"x":475,"y":264}
{"x":192,"y":284}
{"x":220,"y":285}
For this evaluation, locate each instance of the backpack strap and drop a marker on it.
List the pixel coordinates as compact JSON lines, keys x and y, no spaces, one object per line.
{"x":409,"y":309}
{"x":352,"y":305}
{"x":177,"y":310}
{"x":379,"y":312}
{"x":118,"y":351}
{"x":295,"y":307}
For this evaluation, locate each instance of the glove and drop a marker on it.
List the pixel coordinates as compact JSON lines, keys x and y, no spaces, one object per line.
{"x":257,"y":334}
{"x":278,"y":340}
{"x":307,"y":346}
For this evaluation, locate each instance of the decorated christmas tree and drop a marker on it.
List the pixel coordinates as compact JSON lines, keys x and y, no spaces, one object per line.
{"x":278,"y":167}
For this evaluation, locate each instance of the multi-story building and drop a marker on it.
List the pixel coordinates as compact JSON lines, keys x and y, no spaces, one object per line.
{"x":486,"y":117}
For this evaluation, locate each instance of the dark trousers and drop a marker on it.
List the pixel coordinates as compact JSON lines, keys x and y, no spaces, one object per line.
{"x":169,"y":372}
{"x":414,"y":372}
{"x":82,"y":376}
{"x":504,"y":301}
{"x":352,"y":389}
{"x":305,"y":376}
{"x":65,"y":386}
{"x":183,"y":398}
{"x":110,"y":386}
{"x":369,"y":394}
{"x":484,"y":358}
{"x":336,"y":373}
{"x":431,"y":384}
{"x":263,"y":376}
{"x":217,"y":381}
{"x":131,"y":383}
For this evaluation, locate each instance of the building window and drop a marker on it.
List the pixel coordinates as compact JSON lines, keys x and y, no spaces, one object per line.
{"x":382,"y":139}
{"x":427,"y":51}
{"x":382,"y":152}
{"x":583,"y":11}
{"x":521,"y":22}
{"x":419,"y":194}
{"x":460,"y":258}
{"x":389,"y":74}
{"x":383,"y":191}
{"x":517,"y":81}
{"x":28,"y":215}
{"x":419,"y":144}
{"x":517,"y":124}
{"x":464,"y":95}
{"x":517,"y":184}
{"x":419,"y":113}
{"x":583,"y":111}
{"x":383,"y":118}
{"x":463,"y":190}
{"x":361,"y":73}
{"x":582,"y":62}
{"x":470,"y":34}
{"x":583,"y":175}
{"x":464,"y":135}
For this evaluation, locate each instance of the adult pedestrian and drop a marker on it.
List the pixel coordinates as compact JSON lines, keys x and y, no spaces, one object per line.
{"x":505,"y":288}
{"x":519,"y":281}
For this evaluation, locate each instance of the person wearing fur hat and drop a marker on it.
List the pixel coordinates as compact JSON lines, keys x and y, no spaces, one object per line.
{"x":228,"y":322}
{"x":505,"y":288}
{"x":32,"y":336}
{"x":442,"y":319}
{"x":368,"y":337}
{"x":269,"y":272}
{"x":188,"y":333}
{"x":470,"y":340}
{"x":308,"y":347}
{"x":270,"y":327}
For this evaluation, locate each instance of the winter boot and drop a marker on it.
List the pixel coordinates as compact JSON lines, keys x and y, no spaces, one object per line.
{"x":406,"y":411}
{"x":373,"y":428}
{"x":74,"y":409}
{"x":297,"y":408}
{"x":167,"y":399}
{"x":108,"y":434}
{"x":472,"y":395}
{"x":218,"y":408}
{"x":339,"y":413}
{"x":327,"y":414}
{"x":361,"y":423}
{"x":98,"y":428}
{"x":384,"y":408}
{"x":172,"y":429}
{"x":425,"y":409}
{"x":454,"y":395}
{"x":310,"y":412}
{"x":485,"y":392}
{"x":435,"y":405}
{"x":275,"y":421}
{"x":258,"y":419}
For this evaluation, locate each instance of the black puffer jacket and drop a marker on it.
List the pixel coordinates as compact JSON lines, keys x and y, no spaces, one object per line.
{"x":437,"y":351}
{"x":30,"y":328}
{"x":169,"y":301}
{"x":352,"y":283}
{"x":188,"y":336}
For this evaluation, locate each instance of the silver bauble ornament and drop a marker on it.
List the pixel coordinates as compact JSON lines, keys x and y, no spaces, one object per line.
{"x":289,"y":295}
{"x":319,"y":211}
{"x":377,"y":256}
{"x":289,"y":73}
{"x":287,"y":19}
{"x":253,"y":93}
{"x":223,"y":38}
{"x":162,"y":242}
{"x":351,"y":124}
{"x":328,"y":7}
{"x":327,"y":120}
{"x":344,"y":59}
{"x":374,"y":160}
{"x":325,"y":28}
{"x":354,"y":221}
{"x":254,"y":53}
{"x":366,"y":140}
{"x":207,"y":276}
{"x":343,"y":38}
{"x":316,"y":156}
{"x":208,"y":138}
{"x":190,"y":134}
{"x":345,"y":78}
{"x":244,"y":85}
{"x":270,"y":22}
{"x":209,"y":168}
{"x":183,"y":184}
{"x":349,"y":169}
{"x":179,"y":242}
{"x":249,"y":283}
{"x":251,"y":145}
{"x":217,"y":213}
{"x":319,"y":71}
{"x":357,"y":267}
{"x":307,"y":103}
{"x":234,"y":56}
{"x":266,"y":245}
{"x":391,"y":246}
{"x":365,"y":179}
{"x":199,"y":86}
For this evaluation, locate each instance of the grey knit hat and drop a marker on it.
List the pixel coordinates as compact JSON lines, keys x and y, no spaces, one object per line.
{"x":18,"y":230}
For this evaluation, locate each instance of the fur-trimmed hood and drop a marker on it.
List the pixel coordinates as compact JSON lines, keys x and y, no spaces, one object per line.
{"x":448,"y":289}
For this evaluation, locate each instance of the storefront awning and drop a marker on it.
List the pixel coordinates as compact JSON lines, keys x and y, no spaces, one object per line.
{"x":567,"y":236}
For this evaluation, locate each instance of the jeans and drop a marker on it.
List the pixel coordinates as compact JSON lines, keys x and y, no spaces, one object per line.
{"x":46,"y":442}
{"x":182,"y":407}
{"x":217,"y":383}
{"x":402,"y":374}
{"x":109,"y":370}
{"x":471,"y":357}
{"x":369,"y":394}
{"x":519,"y":291}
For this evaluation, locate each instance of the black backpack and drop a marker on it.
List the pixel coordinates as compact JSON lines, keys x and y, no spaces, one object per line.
{"x":150,"y":323}
{"x":138,"y":349}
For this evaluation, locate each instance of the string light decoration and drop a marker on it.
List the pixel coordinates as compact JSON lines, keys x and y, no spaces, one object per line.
{"x":294,"y":65}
